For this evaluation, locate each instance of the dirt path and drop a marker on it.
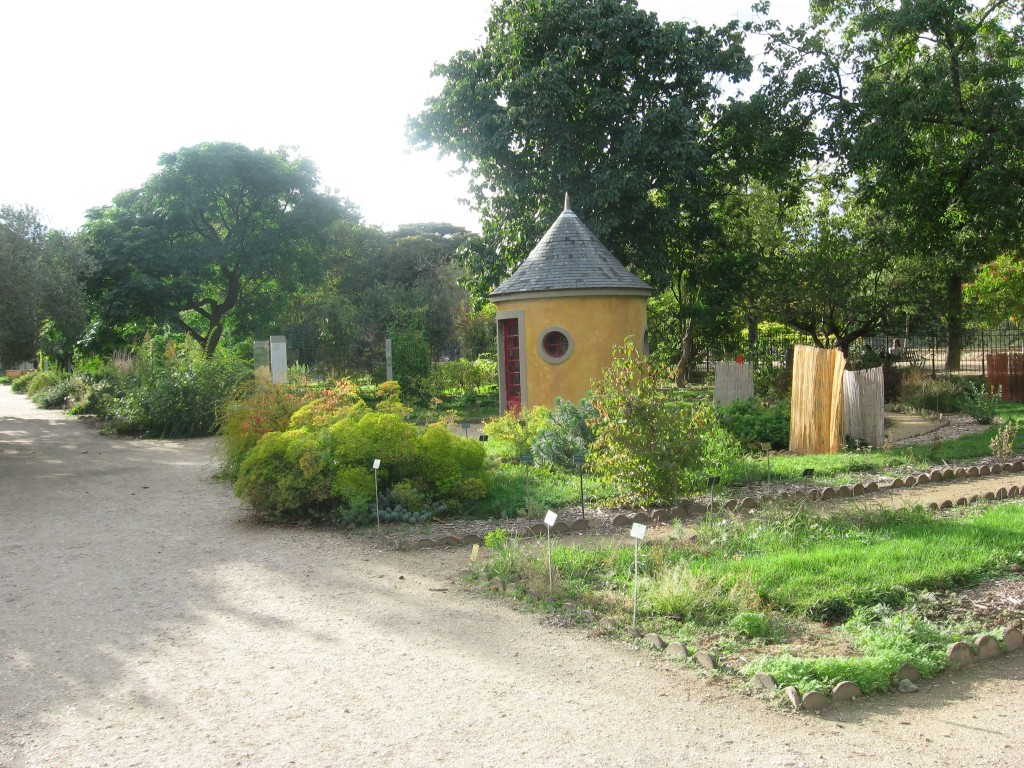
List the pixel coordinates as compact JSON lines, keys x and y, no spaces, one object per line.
{"x":144,"y":622}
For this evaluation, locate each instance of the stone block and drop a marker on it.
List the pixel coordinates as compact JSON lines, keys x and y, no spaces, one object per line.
{"x":960,"y":655}
{"x":1013,"y":639}
{"x":909,"y":672}
{"x":676,"y":650}
{"x":705,"y":659}
{"x":655,"y":640}
{"x":764,"y":681}
{"x":988,"y":647}
{"x":814,"y":701}
{"x":846,"y":691}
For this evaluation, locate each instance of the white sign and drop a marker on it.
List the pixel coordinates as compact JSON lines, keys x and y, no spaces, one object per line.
{"x":376,"y":463}
{"x":549,"y":518}
{"x":639,"y":531}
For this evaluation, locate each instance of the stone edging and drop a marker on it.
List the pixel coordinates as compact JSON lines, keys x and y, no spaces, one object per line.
{"x":828,"y":493}
{"x":958,"y":655}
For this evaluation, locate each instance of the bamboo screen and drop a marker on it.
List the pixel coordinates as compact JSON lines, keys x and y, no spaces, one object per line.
{"x":733,"y":381}
{"x":816,"y":417}
{"x":1007,"y":371}
{"x":863,"y":406}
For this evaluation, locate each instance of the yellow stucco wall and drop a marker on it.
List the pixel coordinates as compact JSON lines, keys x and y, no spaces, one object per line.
{"x":596,"y":324}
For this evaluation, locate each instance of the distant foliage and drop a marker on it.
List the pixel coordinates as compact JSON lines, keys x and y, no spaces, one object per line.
{"x":651,"y":446}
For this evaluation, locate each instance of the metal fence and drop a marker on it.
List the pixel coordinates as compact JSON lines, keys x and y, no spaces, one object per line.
{"x":927,"y":350}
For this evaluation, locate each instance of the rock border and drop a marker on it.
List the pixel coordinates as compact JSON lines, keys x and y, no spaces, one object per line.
{"x":689,"y":507}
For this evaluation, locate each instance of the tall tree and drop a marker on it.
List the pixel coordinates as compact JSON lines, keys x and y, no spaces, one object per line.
{"x":832,"y":274}
{"x":923,"y":100}
{"x":217,"y":229}
{"x":42,"y":301}
{"x":598,"y":99}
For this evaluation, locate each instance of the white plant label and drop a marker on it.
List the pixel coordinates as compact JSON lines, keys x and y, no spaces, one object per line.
{"x":376,"y":463}
{"x":549,"y":518}
{"x":475,"y":553}
{"x":639,"y":531}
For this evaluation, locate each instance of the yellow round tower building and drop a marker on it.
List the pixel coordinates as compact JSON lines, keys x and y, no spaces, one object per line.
{"x":561,"y":314}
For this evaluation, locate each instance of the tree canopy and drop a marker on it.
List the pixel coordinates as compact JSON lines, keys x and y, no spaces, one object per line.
{"x":218,"y":229}
{"x":591,"y":97}
{"x":921,"y":103}
{"x":42,"y":302}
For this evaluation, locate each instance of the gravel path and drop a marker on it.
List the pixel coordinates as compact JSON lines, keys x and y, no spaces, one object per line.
{"x":144,"y":621}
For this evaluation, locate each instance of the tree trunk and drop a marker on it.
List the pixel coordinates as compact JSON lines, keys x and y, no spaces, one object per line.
{"x":954,"y":322}
{"x":752,"y":338}
{"x":686,"y":355}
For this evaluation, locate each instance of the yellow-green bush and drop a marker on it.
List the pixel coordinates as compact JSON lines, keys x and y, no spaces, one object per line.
{"x":326,"y":471}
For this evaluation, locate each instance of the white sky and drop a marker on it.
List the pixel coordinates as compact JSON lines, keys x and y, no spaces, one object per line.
{"x":95,"y":90}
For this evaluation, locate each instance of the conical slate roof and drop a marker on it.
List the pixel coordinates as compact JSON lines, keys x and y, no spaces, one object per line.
{"x":570,"y":258}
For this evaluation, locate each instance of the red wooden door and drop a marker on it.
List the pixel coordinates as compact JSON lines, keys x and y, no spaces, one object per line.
{"x":510,"y":348}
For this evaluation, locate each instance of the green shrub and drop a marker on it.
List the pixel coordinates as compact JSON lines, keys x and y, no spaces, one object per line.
{"x":326,"y":471}
{"x":21,"y":384}
{"x":918,"y":391}
{"x":255,"y":409}
{"x":41,"y":380}
{"x":173,"y":389}
{"x":285,"y":472}
{"x":459,"y":377}
{"x":980,"y":404}
{"x":452,"y":467}
{"x":62,"y":393}
{"x":651,"y":446}
{"x":755,"y":625}
{"x":566,"y":435}
{"x":513,"y":434}
{"x":752,"y":423}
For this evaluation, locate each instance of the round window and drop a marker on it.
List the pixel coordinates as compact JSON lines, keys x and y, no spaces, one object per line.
{"x":555,"y":345}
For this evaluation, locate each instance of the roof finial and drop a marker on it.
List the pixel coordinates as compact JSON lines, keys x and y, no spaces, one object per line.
{"x":567,"y":202}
